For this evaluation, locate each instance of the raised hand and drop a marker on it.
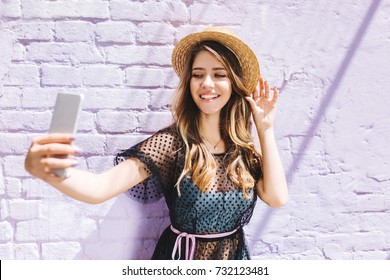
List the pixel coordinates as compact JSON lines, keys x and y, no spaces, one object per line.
{"x":263,"y":104}
{"x":49,"y":152}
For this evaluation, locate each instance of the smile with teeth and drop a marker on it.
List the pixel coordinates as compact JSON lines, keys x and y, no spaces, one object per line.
{"x":209,"y":96}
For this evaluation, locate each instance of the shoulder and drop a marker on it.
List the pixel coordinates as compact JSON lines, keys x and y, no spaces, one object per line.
{"x":166,"y":139}
{"x":170,"y":132}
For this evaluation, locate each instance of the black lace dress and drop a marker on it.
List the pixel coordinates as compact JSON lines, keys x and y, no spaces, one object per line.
{"x":223,"y":208}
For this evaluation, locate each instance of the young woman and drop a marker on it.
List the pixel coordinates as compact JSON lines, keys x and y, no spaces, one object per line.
{"x":205,"y":164}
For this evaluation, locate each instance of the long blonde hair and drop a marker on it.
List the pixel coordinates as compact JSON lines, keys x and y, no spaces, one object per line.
{"x":199,"y":163}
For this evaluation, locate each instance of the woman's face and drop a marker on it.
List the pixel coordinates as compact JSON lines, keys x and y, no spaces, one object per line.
{"x":210,"y":85}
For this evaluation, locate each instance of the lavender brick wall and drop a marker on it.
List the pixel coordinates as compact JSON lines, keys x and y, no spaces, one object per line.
{"x":328,"y":57}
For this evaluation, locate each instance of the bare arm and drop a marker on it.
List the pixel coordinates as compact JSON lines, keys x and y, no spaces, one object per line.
{"x":81,"y":185}
{"x":272,"y":189}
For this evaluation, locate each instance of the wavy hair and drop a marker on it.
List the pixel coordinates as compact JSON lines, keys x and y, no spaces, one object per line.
{"x":242,"y":157}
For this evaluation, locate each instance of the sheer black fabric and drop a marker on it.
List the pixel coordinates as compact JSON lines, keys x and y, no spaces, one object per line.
{"x":222,"y":208}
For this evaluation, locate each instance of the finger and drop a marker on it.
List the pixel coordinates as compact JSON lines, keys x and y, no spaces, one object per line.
{"x":261,"y":81}
{"x":53,"y":138}
{"x":55,"y":163}
{"x":49,"y":150}
{"x":251,"y":102}
{"x":266,"y":93}
{"x":275,"y":96}
{"x":256,"y":92}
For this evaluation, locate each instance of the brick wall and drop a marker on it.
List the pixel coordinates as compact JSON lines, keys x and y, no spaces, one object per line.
{"x":329,"y":59}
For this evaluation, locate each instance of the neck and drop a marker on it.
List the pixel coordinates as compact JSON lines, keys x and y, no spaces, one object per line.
{"x":211,"y":134}
{"x":209,"y":127}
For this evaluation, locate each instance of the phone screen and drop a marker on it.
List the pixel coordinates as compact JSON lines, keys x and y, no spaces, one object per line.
{"x":65,"y":118}
{"x":66,"y":112}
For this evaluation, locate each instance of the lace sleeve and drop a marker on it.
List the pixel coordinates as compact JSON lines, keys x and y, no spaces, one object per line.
{"x":159,"y":155}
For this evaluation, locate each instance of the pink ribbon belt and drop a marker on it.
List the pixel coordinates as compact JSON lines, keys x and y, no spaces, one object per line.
{"x":191,"y":241}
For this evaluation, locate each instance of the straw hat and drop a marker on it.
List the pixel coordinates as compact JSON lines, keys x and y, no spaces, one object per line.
{"x":246,"y":57}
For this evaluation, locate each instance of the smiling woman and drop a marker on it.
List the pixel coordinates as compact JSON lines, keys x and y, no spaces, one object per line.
{"x":205,"y":163}
{"x":210,"y":86}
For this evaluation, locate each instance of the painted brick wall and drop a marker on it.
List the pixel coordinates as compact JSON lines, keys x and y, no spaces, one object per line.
{"x":333,"y":126}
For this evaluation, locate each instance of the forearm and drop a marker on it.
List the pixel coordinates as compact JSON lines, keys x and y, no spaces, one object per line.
{"x":42,"y":159}
{"x":80,"y":185}
{"x":97,"y":188}
{"x":273,"y":189}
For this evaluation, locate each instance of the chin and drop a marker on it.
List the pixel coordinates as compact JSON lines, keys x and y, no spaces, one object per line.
{"x":210,"y":112}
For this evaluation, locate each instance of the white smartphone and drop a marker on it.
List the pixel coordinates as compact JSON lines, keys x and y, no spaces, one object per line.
{"x":65,"y":118}
{"x":66,"y":113}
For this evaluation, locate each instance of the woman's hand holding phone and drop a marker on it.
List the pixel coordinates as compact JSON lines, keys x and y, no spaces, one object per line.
{"x":42,"y":157}
{"x":50,"y":155}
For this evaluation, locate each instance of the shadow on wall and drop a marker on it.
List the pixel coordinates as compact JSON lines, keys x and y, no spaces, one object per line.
{"x":128,"y":231}
{"x":325,"y":103}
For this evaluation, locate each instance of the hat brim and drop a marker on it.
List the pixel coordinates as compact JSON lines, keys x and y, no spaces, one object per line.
{"x":248,"y":61}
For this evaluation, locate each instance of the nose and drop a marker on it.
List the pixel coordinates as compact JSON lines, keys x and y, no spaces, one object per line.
{"x":208,"y":82}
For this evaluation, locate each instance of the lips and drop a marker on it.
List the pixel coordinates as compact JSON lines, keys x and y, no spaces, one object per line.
{"x":208,"y":97}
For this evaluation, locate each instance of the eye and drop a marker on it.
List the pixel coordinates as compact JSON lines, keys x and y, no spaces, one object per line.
{"x":220,"y":75}
{"x":196,"y":75}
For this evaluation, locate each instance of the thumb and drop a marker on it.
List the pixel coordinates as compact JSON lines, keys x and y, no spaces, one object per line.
{"x":252,"y":103}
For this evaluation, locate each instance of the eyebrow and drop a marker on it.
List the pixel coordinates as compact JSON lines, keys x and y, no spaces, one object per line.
{"x":215,"y":68}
